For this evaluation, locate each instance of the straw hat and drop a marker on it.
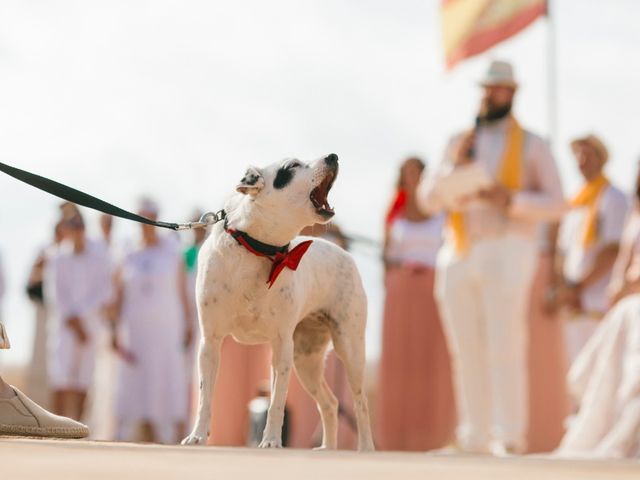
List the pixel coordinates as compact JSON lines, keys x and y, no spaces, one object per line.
{"x":499,"y":74}
{"x":595,"y":143}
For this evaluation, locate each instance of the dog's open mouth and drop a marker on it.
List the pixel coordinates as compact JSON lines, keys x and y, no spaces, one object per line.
{"x":319,"y":194}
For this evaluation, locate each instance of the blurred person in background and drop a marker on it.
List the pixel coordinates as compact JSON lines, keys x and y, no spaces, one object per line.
{"x":106,"y":228}
{"x":588,"y":244}
{"x":486,"y":266}
{"x":415,"y":395}
{"x":37,"y":378}
{"x":19,"y":415}
{"x":549,"y":403}
{"x":68,"y":210}
{"x":79,"y":288}
{"x":605,"y":377}
{"x":152,"y":331}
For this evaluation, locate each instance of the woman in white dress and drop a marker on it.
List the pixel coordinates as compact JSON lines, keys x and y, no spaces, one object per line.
{"x":153,"y":332}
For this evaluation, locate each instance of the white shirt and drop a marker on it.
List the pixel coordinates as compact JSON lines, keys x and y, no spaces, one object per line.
{"x":415,"y":242}
{"x":539,"y":199}
{"x":578,"y":260}
{"x":80,"y":284}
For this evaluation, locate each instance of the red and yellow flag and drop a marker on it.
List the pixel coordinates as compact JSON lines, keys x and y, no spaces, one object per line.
{"x":470,"y":27}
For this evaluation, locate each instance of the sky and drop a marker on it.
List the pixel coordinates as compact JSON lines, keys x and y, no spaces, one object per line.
{"x":174,"y":99}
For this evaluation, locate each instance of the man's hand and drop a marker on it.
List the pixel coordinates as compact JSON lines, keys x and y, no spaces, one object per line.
{"x":550,"y":300}
{"x":497,"y":195}
{"x":125,"y":354}
{"x":570,"y":297}
{"x":75,"y":324}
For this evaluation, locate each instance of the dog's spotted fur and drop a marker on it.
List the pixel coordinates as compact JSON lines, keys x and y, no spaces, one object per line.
{"x":323,"y":301}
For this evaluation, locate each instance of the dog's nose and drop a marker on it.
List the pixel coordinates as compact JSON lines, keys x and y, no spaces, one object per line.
{"x":331,"y":160}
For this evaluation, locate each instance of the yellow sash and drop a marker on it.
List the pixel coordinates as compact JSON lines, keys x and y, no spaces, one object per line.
{"x":509,"y":175}
{"x":588,"y":197}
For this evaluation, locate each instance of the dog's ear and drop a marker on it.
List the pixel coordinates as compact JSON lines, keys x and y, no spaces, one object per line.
{"x":251,"y":183}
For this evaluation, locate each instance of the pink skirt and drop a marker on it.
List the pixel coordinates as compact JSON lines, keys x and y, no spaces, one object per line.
{"x":415,"y":401}
{"x":548,"y":400}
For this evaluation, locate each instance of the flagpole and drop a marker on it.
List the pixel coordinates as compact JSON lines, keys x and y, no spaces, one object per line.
{"x":552,"y":99}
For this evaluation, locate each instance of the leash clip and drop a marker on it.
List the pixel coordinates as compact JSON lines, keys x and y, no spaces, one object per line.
{"x":208,"y":218}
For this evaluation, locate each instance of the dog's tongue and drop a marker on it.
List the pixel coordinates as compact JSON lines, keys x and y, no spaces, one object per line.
{"x":324,"y":189}
{"x":321,"y":192}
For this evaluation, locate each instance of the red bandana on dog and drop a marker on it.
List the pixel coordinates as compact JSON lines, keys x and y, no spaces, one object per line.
{"x":280,"y":256}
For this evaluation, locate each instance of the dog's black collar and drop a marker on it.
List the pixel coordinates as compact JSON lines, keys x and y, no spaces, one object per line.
{"x":256,"y":246}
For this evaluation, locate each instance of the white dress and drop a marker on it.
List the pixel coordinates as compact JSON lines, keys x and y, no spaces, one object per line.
{"x":77,"y":284}
{"x":152,"y":387}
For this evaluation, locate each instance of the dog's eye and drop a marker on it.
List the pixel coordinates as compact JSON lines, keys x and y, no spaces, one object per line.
{"x":293,"y":165}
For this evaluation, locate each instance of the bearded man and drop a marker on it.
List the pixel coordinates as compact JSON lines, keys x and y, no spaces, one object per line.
{"x":485,"y":267}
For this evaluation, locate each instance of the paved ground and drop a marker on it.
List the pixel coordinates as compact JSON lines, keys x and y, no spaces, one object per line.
{"x":66,"y":460}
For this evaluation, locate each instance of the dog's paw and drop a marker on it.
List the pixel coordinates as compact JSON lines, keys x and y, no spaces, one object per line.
{"x":271,"y":442}
{"x":194,"y":439}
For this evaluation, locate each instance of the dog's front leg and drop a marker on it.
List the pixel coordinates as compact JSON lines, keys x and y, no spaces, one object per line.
{"x":208,"y":362}
{"x":282,"y":362}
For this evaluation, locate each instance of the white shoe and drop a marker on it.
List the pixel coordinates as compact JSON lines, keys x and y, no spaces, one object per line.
{"x":21,"y":416}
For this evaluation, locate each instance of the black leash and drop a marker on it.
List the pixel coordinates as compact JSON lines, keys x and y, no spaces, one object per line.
{"x":89,"y":201}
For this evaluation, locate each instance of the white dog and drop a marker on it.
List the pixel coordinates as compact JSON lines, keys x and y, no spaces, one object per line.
{"x":259,"y":283}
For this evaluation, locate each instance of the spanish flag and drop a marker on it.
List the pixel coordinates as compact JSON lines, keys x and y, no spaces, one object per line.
{"x":470,"y":27}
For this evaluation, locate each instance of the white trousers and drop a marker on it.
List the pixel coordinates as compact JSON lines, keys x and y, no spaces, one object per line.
{"x":483,"y":300}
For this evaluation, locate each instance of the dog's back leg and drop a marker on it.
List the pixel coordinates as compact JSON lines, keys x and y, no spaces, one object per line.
{"x":310,"y":370}
{"x":351,"y":351}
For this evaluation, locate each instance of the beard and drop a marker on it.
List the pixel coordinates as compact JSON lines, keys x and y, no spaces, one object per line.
{"x":493,"y":113}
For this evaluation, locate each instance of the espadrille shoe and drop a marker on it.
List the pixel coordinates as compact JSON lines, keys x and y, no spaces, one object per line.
{"x":21,"y":416}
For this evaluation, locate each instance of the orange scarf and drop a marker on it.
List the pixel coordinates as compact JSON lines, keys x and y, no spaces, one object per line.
{"x":588,"y":197}
{"x":509,"y":175}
